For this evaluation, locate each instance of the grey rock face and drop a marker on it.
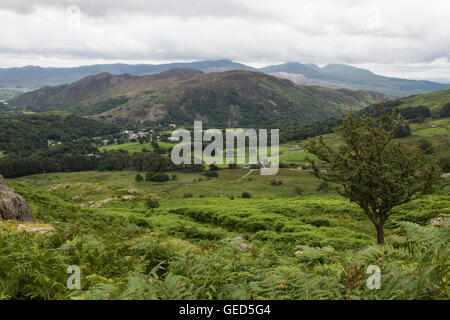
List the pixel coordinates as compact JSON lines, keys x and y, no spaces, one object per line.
{"x":12,"y":205}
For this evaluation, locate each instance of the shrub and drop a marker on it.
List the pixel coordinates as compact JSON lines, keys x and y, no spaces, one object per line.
{"x":415,"y":112}
{"x":426,"y":146}
{"x":417,"y":120}
{"x":444,"y":163}
{"x":148,"y":176}
{"x":276,"y":182}
{"x":324,"y":186}
{"x":211,"y":174}
{"x":188,"y":195}
{"x":151,"y":203}
{"x":139,"y":178}
{"x":174,"y":177}
{"x":403,"y":131}
{"x":445,"y":111}
{"x":160,"y":177}
{"x":213,"y":167}
{"x":140,"y":222}
{"x":298,"y":190}
{"x":317,"y":222}
{"x":246,"y":195}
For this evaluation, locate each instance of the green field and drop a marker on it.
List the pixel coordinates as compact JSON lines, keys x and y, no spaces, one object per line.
{"x":286,"y":156}
{"x":435,"y":100}
{"x":433,"y":128}
{"x":436,"y":131}
{"x":229,"y":183}
{"x":136,"y":146}
{"x":296,"y":157}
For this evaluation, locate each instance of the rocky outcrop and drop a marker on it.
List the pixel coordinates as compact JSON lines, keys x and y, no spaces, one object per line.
{"x":12,"y":205}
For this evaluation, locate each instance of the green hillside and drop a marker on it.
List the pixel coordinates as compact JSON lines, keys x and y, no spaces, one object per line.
{"x":27,"y":132}
{"x":435,"y":100}
{"x":275,"y":245}
{"x":182,"y":96}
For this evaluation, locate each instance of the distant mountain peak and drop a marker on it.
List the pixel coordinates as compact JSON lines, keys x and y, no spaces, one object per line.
{"x":344,"y":67}
{"x":178,"y":72}
{"x":345,"y":76}
{"x":330,"y":76}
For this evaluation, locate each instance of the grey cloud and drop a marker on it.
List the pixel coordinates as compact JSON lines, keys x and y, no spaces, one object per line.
{"x":403,"y":32}
{"x":151,"y":7}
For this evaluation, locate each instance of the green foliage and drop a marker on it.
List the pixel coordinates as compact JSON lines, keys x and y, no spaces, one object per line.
{"x":444,"y":162}
{"x":298,"y":190}
{"x":152,"y":203}
{"x":302,"y":131}
{"x":373,"y":171}
{"x":217,"y":248}
{"x":246,"y":195}
{"x":27,"y":132}
{"x":148,"y":176}
{"x":213,"y":167}
{"x":323,"y":186}
{"x":160,"y":177}
{"x":445,"y":111}
{"x":211,"y":174}
{"x":415,"y":112}
{"x":139,"y":178}
{"x":403,"y":130}
{"x":275,"y":182}
{"x":426,"y":146}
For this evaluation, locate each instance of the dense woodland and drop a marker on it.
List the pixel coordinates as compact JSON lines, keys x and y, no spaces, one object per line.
{"x":28,"y":132}
{"x":24,"y":141}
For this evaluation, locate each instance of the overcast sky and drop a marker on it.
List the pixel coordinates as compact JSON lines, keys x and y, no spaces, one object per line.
{"x":404,"y":38}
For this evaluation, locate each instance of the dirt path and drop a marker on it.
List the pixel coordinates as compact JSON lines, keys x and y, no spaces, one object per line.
{"x":250,"y":171}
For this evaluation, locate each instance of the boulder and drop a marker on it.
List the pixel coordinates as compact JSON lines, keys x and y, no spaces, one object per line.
{"x":12,"y":205}
{"x":440,"y":222}
{"x":446,"y":176}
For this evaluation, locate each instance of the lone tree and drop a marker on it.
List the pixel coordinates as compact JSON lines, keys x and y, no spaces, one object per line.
{"x":374,"y":171}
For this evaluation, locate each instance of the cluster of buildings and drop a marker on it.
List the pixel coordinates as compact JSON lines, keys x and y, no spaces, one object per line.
{"x":136,"y":135}
{"x":52,"y":143}
{"x":296,"y":149}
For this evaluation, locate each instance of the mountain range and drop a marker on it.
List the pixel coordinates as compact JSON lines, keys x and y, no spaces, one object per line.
{"x":330,"y":76}
{"x":181,"y":96}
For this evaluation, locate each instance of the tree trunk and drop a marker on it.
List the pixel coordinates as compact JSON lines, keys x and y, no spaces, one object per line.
{"x":380,"y":233}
